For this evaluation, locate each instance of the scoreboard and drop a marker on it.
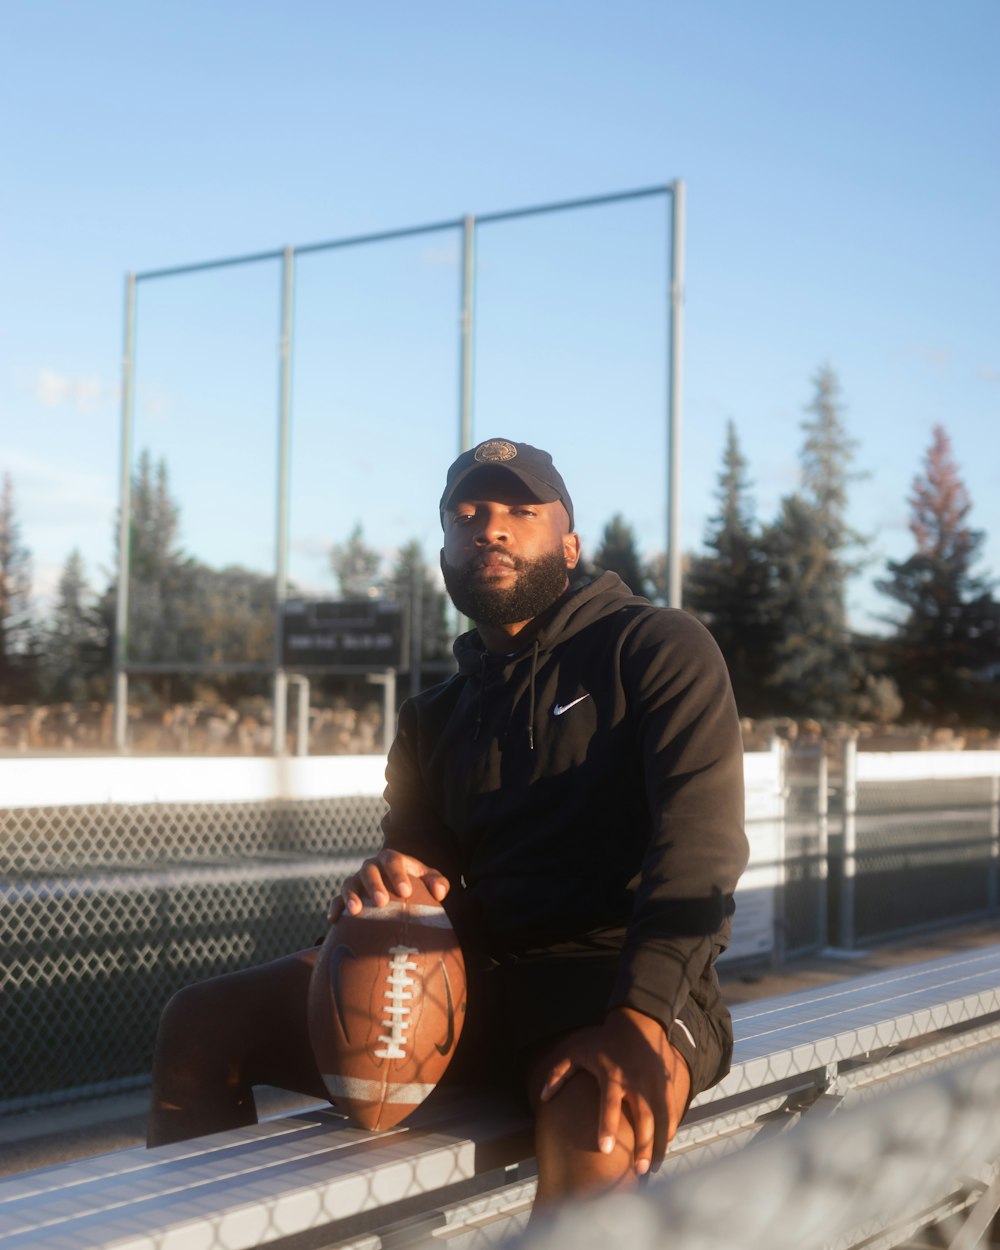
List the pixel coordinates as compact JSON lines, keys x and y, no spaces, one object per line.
{"x":362,"y":634}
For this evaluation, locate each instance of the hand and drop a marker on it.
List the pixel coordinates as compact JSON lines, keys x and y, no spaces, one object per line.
{"x":383,"y":874}
{"x":634,"y":1064}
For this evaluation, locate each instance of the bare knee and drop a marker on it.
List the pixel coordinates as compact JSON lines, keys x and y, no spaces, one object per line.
{"x":566,"y":1132}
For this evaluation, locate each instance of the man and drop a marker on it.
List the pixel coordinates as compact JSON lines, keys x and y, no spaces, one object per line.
{"x":574,"y":798}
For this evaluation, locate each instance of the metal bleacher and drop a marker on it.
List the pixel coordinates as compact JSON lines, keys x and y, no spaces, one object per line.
{"x":460,"y":1171}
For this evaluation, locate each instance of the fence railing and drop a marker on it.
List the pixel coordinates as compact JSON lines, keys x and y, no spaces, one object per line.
{"x":882,"y":844}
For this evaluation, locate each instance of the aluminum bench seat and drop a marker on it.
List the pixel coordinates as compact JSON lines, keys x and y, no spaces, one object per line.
{"x":460,"y":1173}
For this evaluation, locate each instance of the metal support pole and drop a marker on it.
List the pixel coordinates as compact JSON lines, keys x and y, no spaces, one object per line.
{"x":389,"y":710}
{"x":847,"y":923}
{"x":280,"y":714}
{"x":302,"y":700}
{"x":387,"y":680}
{"x":468,"y":333}
{"x":416,"y":628}
{"x":674,"y":395}
{"x":822,"y":847}
{"x":124,"y":520}
{"x":994,"y":882}
{"x":779,"y":947}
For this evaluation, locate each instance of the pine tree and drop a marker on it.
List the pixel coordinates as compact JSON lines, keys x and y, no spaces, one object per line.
{"x":161,"y":618}
{"x":618,"y":554}
{"x":162,"y":625}
{"x":17,"y":632}
{"x":232,"y":615}
{"x":356,"y":566}
{"x":825,"y":460}
{"x":950,"y":631}
{"x":412,"y":584}
{"x":73,"y":652}
{"x":815,"y":669}
{"x":727,"y":587}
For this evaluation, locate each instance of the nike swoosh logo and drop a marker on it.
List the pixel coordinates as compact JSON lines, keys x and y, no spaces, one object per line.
{"x":449,"y":1040}
{"x":559,"y":708}
{"x":336,"y":959}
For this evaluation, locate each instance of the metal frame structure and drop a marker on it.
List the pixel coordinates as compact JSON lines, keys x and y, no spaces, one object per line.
{"x":468,"y":225}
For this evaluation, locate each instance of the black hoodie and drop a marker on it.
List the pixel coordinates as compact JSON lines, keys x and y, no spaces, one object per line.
{"x":592,"y":781}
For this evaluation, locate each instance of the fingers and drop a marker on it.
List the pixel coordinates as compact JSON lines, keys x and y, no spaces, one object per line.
{"x":609,"y":1116}
{"x":559,"y":1074}
{"x":437,"y":883}
{"x":648,"y":1132}
{"x":380,"y":877}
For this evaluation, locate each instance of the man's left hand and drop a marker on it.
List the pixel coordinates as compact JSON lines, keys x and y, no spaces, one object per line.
{"x":635,"y":1065}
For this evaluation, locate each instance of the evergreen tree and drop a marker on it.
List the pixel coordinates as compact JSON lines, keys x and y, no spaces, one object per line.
{"x":356,"y":566}
{"x":74,"y":652}
{"x":232,"y":615}
{"x":727,"y":587}
{"x":162,"y":623}
{"x":18,"y":645}
{"x":618,"y":554}
{"x":949,"y":635}
{"x":161,"y":619}
{"x":815,"y":670}
{"x":825,"y":460}
{"x":412,"y":583}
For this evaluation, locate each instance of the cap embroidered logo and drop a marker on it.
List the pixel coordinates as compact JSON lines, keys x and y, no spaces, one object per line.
{"x":495,"y":450}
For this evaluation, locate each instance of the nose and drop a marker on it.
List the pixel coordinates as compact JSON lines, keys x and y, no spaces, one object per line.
{"x":492,"y":528}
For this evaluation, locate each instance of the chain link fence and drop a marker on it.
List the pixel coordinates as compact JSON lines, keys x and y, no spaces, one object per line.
{"x":109,"y":909}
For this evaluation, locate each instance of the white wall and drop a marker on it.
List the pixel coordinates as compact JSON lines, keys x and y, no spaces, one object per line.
{"x":926,"y":765}
{"x":80,"y":780}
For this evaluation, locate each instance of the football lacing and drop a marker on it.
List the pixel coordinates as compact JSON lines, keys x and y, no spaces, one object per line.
{"x":397,"y":1009}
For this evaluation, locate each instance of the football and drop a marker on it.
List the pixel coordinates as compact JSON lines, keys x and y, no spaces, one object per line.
{"x":387,"y":1003}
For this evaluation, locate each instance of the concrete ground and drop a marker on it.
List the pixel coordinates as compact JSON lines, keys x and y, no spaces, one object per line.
{"x":76,"y":1130}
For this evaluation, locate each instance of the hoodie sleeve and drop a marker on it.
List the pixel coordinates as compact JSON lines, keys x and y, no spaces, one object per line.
{"x":411,"y":824}
{"x":688,"y":735}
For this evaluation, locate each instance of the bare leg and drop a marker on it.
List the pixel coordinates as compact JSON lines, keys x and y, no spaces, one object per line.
{"x":569,"y":1162}
{"x":221,"y":1037}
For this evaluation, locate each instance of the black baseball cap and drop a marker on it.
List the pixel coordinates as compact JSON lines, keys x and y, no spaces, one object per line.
{"x":530,"y":465}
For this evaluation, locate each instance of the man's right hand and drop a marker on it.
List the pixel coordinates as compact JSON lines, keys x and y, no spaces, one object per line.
{"x":379,"y":877}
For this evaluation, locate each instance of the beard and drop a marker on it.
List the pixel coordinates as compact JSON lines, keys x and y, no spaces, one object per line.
{"x":539,"y":584}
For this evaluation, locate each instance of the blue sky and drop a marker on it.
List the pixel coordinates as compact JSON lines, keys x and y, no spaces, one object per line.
{"x":843,"y":200}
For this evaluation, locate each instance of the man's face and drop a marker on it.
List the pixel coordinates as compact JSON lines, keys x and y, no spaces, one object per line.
{"x":506,"y":556}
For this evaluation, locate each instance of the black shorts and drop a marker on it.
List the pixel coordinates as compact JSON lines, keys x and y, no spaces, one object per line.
{"x":516,"y":1006}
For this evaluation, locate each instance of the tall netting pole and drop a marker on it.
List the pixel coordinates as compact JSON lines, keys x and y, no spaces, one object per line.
{"x":124,"y":521}
{"x":674,"y":394}
{"x":280,"y":713}
{"x":468,"y":331}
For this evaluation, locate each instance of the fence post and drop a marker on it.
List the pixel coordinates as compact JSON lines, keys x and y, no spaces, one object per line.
{"x":994,"y":882}
{"x":822,"y":847}
{"x":850,"y":843}
{"x":302,"y":699}
{"x":779,"y":944}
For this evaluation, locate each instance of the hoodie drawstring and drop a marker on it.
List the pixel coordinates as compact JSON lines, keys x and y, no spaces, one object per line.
{"x":479,"y":701}
{"x":531,"y":697}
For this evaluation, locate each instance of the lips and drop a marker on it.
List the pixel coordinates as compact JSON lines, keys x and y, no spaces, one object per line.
{"x":493,"y":562}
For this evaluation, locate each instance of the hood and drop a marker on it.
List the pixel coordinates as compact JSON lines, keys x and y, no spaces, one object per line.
{"x":580,"y":606}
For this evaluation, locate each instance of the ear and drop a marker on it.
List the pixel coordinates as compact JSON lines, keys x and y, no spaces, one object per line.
{"x":571,"y":550}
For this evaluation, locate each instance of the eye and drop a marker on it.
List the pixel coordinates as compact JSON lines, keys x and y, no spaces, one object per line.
{"x":524,"y":511}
